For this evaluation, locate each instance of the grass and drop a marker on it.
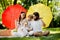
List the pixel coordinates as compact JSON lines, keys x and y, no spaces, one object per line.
{"x":54,"y":35}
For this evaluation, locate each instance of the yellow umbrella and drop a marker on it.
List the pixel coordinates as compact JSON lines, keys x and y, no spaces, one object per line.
{"x":44,"y":12}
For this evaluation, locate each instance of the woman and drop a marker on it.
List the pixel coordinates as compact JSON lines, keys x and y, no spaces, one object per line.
{"x":37,"y":24}
{"x":21,"y":25}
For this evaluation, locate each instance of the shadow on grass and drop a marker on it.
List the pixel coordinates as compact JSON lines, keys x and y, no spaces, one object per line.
{"x":50,"y":37}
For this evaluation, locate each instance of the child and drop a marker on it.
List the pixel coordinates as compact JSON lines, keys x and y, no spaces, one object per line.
{"x":30,"y":30}
{"x":30,"y":18}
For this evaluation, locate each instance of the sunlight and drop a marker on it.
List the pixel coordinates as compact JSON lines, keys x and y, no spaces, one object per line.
{"x":54,"y":32}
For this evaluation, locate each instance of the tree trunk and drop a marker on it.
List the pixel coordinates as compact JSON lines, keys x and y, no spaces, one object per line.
{"x":15,"y":2}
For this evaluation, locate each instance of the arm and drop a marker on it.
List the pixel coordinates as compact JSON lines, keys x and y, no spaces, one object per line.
{"x":28,"y":28}
{"x":43,"y":23}
{"x":16,"y":24}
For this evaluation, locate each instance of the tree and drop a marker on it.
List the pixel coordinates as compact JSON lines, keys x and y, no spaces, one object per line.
{"x":15,"y":2}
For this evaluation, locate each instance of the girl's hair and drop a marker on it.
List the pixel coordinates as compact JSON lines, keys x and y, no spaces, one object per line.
{"x":37,"y":15}
{"x":31,"y":16}
{"x":20,"y":17}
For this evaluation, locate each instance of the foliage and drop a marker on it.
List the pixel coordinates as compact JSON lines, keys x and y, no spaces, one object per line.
{"x":27,"y":3}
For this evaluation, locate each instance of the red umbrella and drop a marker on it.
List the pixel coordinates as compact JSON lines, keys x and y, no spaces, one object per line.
{"x":11,"y":14}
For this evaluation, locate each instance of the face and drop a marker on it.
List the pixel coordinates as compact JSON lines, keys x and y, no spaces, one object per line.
{"x":29,"y":18}
{"x":22,"y":15}
{"x":34,"y":17}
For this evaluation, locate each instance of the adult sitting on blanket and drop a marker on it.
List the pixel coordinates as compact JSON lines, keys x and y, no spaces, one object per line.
{"x":36,"y":25}
{"x":20,"y":26}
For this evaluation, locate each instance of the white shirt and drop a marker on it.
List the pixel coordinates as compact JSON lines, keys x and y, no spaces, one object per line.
{"x":37,"y":25}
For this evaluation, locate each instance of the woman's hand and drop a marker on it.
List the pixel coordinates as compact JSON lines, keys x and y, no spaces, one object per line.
{"x":26,"y":24}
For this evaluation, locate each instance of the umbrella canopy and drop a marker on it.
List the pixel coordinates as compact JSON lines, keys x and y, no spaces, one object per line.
{"x":11,"y":14}
{"x":44,"y":12}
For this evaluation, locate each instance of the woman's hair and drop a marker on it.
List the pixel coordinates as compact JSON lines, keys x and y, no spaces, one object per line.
{"x":24,"y":15}
{"x":20,"y":17}
{"x":37,"y":15}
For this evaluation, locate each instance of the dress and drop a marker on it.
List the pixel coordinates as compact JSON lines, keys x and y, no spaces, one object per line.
{"x":21,"y":31}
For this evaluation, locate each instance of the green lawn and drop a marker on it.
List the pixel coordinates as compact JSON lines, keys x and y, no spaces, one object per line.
{"x":54,"y":35}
